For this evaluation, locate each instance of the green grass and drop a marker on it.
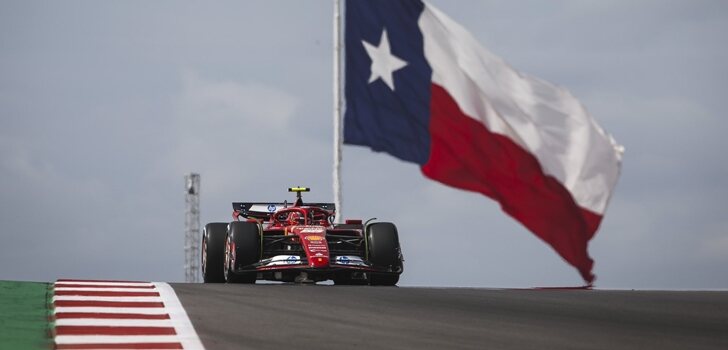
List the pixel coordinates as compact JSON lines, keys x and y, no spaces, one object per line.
{"x":24,"y":312}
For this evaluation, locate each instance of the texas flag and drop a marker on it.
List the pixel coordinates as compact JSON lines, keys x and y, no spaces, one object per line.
{"x":420,"y":87}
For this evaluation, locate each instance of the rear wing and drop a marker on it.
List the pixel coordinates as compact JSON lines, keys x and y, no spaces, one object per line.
{"x":264,"y":210}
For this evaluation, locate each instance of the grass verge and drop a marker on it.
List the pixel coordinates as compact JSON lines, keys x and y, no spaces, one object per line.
{"x":24,"y":315}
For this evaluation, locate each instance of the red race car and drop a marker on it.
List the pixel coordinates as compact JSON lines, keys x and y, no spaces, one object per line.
{"x":299,"y":243}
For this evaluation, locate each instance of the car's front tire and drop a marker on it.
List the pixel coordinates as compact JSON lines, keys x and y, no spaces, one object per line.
{"x":213,"y":252}
{"x":381,"y":279}
{"x":242,"y":248}
{"x":384,"y":253}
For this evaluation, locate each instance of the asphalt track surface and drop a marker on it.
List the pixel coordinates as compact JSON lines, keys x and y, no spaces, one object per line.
{"x":335,"y":317}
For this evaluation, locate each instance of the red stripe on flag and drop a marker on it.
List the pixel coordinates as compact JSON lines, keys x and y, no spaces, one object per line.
{"x":65,"y":315}
{"x":105,"y":293}
{"x":466,"y":155}
{"x":109,"y":330}
{"x":120,"y":346}
{"x":101,"y":286}
{"x":91,"y":303}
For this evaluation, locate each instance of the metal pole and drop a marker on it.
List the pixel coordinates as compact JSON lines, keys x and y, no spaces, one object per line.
{"x":337,"y":112}
{"x":192,"y":227}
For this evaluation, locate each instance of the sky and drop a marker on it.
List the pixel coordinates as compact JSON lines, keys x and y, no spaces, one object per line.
{"x":105,"y":106}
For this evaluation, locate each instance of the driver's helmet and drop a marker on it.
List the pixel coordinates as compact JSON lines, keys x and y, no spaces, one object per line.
{"x":296,"y":218}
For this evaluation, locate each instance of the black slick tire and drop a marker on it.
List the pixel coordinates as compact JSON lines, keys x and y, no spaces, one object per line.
{"x":242,"y":248}
{"x":213,"y":252}
{"x":381,"y":279}
{"x":384,"y":253}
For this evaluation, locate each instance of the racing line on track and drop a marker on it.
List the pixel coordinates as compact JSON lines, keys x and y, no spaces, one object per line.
{"x":92,"y":314}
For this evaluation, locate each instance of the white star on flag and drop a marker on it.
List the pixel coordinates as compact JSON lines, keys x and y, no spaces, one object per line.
{"x":383,"y":62}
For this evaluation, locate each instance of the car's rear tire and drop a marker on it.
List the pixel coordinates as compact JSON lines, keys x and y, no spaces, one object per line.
{"x":384,"y":253}
{"x":242,"y":248}
{"x":213,"y":252}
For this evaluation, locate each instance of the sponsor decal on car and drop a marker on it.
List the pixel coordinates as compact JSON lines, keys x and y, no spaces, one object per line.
{"x":312,"y":229}
{"x":350,"y":260}
{"x":314,"y":238}
{"x":282,"y":260}
{"x":271,"y":207}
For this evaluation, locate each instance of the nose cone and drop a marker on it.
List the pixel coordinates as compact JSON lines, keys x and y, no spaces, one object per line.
{"x":319,"y":261}
{"x":313,"y":240}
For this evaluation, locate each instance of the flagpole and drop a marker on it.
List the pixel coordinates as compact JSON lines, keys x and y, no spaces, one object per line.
{"x":337,"y":111}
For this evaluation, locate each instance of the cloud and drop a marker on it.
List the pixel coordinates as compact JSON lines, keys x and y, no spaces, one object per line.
{"x":226,"y":130}
{"x":234,"y":105}
{"x":715,"y":246}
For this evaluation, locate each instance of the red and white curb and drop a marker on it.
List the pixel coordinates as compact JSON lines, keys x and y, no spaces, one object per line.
{"x":120,"y":315}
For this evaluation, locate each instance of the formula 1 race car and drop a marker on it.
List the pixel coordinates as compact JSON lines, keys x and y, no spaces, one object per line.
{"x":299,"y":243}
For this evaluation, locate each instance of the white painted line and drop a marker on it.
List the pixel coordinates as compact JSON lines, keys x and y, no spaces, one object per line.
{"x":106,"y":339}
{"x":116,"y":284}
{"x":112,"y":322}
{"x":178,"y":319}
{"x":87,"y":298}
{"x":113,"y":310}
{"x":185,"y":331}
{"x":91,"y":289}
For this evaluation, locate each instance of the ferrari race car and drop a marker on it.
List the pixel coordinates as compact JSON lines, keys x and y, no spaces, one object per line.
{"x":299,"y":243}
